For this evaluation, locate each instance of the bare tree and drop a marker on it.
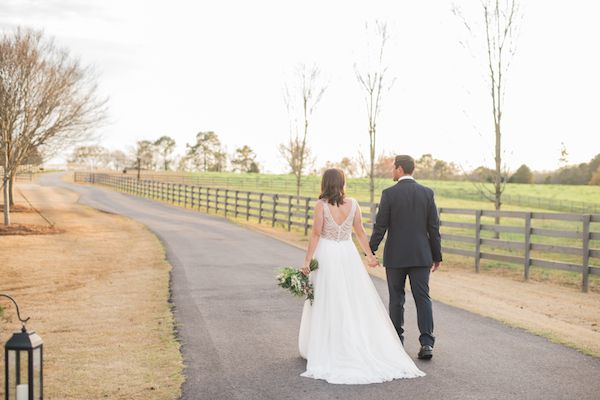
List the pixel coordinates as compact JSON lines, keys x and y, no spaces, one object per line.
{"x":363,"y":164}
{"x":92,"y":156}
{"x":47,"y":101}
{"x":375,"y":82}
{"x":501,"y":20}
{"x":301,"y":98}
{"x":119,"y":160}
{"x":563,"y":160}
{"x":346,"y":164}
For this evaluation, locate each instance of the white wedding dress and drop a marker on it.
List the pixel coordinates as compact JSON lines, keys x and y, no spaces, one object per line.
{"x":346,"y":335}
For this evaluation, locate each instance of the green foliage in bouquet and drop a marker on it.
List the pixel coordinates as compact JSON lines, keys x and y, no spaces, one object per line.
{"x":296,"y":282}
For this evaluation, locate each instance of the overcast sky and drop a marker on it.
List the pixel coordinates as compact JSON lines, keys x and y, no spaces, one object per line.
{"x":179,"y":67}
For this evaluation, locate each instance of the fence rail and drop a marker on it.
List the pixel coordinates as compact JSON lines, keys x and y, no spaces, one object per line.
{"x":254,"y":181}
{"x":466,"y":235}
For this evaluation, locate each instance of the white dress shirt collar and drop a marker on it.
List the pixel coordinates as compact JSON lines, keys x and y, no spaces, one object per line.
{"x":405,"y":177}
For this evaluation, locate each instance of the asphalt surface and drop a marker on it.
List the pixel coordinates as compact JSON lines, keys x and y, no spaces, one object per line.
{"x":239,"y":330}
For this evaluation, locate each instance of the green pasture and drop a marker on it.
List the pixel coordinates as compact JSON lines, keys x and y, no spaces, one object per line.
{"x":560,"y":198}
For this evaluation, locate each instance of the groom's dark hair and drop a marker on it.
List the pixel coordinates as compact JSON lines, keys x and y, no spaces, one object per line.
{"x":406,"y":162}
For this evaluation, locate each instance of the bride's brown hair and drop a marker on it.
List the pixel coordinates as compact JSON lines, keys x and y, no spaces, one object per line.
{"x":332,"y":186}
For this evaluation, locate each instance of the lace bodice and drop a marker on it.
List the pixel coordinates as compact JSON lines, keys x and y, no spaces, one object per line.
{"x":331,"y":230}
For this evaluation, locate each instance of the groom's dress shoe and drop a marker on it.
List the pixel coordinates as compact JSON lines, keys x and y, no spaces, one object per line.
{"x":425,"y":353}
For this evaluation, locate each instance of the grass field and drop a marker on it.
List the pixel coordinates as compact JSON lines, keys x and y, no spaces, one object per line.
{"x":566,"y":198}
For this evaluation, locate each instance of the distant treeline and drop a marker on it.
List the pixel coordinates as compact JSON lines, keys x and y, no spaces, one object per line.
{"x":207,"y":154}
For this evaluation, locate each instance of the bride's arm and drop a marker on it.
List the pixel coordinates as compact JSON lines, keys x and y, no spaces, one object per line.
{"x":315,"y":234}
{"x":361,"y":236}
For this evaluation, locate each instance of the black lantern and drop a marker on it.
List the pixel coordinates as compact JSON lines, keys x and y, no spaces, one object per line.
{"x":23,"y":356}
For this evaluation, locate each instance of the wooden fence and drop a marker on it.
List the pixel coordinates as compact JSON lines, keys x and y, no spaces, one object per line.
{"x":258,"y":182}
{"x":469,"y":234}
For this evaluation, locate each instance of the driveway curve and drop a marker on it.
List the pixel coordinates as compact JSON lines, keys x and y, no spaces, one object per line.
{"x":238,"y":330}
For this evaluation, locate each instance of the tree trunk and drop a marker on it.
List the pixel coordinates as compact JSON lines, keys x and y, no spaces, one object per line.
{"x":11,"y":187}
{"x":498,"y":175}
{"x":372,"y":169}
{"x":5,"y":181}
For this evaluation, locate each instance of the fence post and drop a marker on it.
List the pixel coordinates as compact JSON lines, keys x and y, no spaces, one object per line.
{"x":247,"y":206}
{"x":237,"y":192}
{"x":207,"y":199}
{"x":527,"y":244}
{"x":306,"y":210}
{"x":226,"y":200}
{"x":289,"y":213}
{"x":260,"y":208}
{"x":275,"y":198}
{"x":217,"y":201}
{"x":477,"y":240}
{"x":586,"y":253}
{"x":199,"y":197}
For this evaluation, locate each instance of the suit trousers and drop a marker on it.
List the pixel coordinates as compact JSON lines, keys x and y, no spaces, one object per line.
{"x":419,"y":285}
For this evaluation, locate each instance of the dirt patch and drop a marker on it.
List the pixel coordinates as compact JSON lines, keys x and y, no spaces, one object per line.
{"x":98,"y":295}
{"x":18,"y":208}
{"x":28,"y":229}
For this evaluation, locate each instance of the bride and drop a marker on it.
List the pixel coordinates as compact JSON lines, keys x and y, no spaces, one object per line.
{"x":346,"y":335}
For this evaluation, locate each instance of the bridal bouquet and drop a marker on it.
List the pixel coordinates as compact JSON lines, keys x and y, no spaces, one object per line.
{"x":297,"y":283}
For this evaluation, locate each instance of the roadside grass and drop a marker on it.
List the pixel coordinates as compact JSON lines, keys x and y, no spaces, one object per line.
{"x":98,"y":295}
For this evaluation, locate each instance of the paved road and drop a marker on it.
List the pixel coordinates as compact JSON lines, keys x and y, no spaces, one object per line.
{"x":239,"y":331}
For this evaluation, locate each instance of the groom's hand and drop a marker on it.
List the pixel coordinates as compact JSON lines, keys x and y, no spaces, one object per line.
{"x":435,"y":266}
{"x":372,"y":262}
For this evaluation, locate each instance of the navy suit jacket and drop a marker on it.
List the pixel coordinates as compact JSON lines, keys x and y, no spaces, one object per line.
{"x":408,"y":213}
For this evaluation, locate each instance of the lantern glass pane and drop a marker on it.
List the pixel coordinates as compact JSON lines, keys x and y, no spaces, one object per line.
{"x":37,"y":373}
{"x":12,"y":373}
{"x":22,"y":375}
{"x":22,"y":371}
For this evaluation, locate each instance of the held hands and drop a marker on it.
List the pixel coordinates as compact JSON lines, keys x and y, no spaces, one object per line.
{"x":372,"y":261}
{"x":435,"y":266}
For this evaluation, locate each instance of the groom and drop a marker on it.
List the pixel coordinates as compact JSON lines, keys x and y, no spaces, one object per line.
{"x":407,"y":211}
